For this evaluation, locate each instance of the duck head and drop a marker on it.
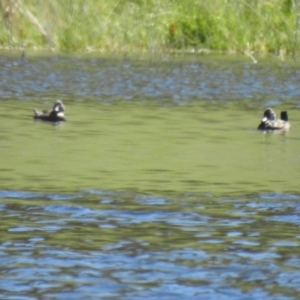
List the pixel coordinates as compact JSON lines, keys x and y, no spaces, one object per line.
{"x":269,"y":114}
{"x":58,"y":107}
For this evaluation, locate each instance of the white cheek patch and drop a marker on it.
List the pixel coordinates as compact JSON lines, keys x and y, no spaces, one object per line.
{"x":264,"y":119}
{"x":56,"y":108}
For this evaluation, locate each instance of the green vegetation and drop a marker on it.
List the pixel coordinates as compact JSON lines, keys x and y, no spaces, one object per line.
{"x":152,"y":25}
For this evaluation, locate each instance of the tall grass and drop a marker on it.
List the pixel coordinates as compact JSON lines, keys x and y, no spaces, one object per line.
{"x":142,"y":25}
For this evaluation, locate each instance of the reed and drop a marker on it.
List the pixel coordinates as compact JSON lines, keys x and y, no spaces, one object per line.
{"x":143,"y":25}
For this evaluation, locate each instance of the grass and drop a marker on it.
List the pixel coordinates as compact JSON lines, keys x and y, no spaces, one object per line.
{"x":152,"y":25}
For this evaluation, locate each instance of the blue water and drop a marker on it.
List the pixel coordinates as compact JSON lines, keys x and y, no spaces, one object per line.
{"x":158,"y":186}
{"x":97,"y":245}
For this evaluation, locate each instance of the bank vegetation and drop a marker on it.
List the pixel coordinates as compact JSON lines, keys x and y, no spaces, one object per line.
{"x":152,"y":25}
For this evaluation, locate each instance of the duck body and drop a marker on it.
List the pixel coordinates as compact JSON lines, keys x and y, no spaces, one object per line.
{"x":57,"y":114}
{"x":269,"y":121}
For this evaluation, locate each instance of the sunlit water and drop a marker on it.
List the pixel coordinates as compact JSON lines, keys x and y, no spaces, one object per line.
{"x":157,"y":186}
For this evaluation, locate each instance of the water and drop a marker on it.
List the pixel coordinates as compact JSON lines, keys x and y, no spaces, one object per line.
{"x":157,"y":186}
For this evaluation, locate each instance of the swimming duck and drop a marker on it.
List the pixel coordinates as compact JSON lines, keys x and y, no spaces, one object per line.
{"x":55,"y":115}
{"x":269,"y":121}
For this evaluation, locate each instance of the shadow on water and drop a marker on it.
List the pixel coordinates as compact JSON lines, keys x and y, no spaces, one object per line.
{"x":158,"y":185}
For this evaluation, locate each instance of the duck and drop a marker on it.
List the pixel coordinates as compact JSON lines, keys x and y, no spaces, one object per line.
{"x":269,"y":121}
{"x":57,"y":114}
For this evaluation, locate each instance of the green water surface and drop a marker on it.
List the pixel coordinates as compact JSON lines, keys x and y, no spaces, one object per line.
{"x":147,"y":147}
